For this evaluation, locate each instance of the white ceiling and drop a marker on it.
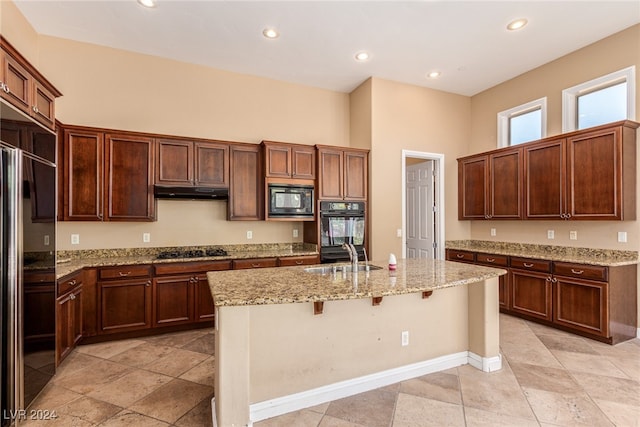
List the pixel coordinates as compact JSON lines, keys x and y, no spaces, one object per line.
{"x":466,"y":40}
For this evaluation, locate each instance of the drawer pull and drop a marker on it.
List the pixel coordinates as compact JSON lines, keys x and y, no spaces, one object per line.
{"x":577,"y":271}
{"x":124,"y":274}
{"x":491,"y":259}
{"x":255,"y":265}
{"x":72,"y":297}
{"x":526,"y":264}
{"x":460,"y":255}
{"x":73,"y":282}
{"x":299,"y":262}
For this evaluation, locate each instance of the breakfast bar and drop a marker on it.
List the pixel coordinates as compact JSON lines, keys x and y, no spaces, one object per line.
{"x":293,"y":337}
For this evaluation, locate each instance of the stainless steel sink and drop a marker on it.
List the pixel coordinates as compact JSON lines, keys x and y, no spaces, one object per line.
{"x":339,"y":269}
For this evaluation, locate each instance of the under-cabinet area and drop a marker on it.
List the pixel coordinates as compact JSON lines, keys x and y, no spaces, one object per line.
{"x":584,"y":175}
{"x":594,"y":296}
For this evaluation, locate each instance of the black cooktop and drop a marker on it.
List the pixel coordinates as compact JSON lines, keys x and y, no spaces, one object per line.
{"x":196,"y":253}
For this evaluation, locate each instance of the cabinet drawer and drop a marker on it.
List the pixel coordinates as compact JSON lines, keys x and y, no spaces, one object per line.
{"x":531,"y":264}
{"x":298,"y":260}
{"x":456,"y":255}
{"x":491,"y":260}
{"x":39,"y":277}
{"x":125,"y":271}
{"x":191,"y":267}
{"x":239,"y":264}
{"x":69,"y":283}
{"x":593,"y":272}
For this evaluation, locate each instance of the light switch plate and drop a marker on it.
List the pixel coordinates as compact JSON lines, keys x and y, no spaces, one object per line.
{"x":551,"y":234}
{"x":295,"y":232}
{"x":146,"y":237}
{"x":622,"y":236}
{"x":573,"y":235}
{"x":75,"y":239}
{"x":399,"y":232}
{"x":493,"y":231}
{"x":249,"y":235}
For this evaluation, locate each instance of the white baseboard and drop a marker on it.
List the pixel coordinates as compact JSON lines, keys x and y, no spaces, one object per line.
{"x":317,"y":396}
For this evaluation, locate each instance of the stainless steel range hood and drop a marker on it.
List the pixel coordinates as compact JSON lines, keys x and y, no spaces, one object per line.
{"x":176,"y":192}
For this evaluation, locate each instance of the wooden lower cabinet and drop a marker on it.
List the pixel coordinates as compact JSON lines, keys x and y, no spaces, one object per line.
{"x":598,"y":302}
{"x":125,"y":305}
{"x":298,"y":260}
{"x":581,"y":305}
{"x":203,"y":301}
{"x":240,"y":264}
{"x":173,"y":300}
{"x":69,"y":322}
{"x":531,"y":294}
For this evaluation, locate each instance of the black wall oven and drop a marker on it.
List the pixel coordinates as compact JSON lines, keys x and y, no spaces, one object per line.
{"x":341,"y":222}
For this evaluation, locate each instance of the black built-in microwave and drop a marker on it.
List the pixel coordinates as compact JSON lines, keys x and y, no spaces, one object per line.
{"x":290,"y":201}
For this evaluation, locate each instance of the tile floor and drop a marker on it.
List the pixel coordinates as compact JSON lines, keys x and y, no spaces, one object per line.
{"x":549,"y":378}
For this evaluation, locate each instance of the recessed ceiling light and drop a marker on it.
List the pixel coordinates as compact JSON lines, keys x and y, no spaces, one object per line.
{"x":362,"y":56}
{"x":434,"y":74}
{"x":517,"y":24}
{"x":147,"y":3}
{"x":270,"y":33}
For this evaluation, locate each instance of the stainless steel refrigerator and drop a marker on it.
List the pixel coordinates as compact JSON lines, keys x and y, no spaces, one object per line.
{"x":27,"y":262}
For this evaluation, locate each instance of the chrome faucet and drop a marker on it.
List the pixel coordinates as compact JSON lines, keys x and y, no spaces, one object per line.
{"x":353,"y":256}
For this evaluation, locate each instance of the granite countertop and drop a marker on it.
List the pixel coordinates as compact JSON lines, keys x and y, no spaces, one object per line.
{"x":72,"y":261}
{"x":292,"y":284}
{"x":603,"y":257}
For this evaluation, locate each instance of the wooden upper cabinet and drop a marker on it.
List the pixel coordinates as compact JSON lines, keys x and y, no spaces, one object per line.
{"x":601,"y":175}
{"x":175,"y":162}
{"x":211,"y":164}
{"x":129,"y":167}
{"x":473,"y":175}
{"x":246,"y":187}
{"x":545,"y":183}
{"x":283,"y":160}
{"x":342,"y":173}
{"x":189,"y":163}
{"x":82,"y":184}
{"x":582,"y":175}
{"x":490,"y":186}
{"x":24,"y":87}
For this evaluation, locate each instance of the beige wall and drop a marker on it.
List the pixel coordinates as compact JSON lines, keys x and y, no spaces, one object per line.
{"x":418,"y":119}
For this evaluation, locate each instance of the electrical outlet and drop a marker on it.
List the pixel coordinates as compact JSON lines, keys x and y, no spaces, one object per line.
{"x":146,"y":237}
{"x":399,"y":232}
{"x":622,"y":236}
{"x":75,"y":239}
{"x":46,"y":240}
{"x":405,"y":338}
{"x":493,"y":231}
{"x":551,"y":234}
{"x":295,"y":232}
{"x":573,"y":235}
{"x":249,"y":234}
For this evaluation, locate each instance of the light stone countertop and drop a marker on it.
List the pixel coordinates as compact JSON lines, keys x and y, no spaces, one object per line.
{"x":109,"y":260}
{"x":603,"y":257}
{"x":293,"y":284}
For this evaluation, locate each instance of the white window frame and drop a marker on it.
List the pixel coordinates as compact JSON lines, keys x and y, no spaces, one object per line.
{"x":506,"y":115}
{"x":570,"y":95}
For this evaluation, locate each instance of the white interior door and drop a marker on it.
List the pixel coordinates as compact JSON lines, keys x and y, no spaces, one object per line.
{"x":420,"y":231}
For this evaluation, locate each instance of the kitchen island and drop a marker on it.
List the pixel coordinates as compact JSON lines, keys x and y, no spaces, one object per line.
{"x":294,"y":337}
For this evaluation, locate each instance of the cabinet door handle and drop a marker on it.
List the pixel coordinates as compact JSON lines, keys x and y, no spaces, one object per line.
{"x":554,"y":280}
{"x":5,"y":88}
{"x":148,"y":283}
{"x":577,"y":271}
{"x":548,"y":279}
{"x":491,"y":259}
{"x":526,"y":264}
{"x":35,"y":109}
{"x":124,"y":274}
{"x":72,"y":297}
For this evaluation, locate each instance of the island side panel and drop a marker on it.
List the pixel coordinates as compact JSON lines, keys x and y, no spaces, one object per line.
{"x":232,"y":366}
{"x":293,"y":350}
{"x":484,"y":321}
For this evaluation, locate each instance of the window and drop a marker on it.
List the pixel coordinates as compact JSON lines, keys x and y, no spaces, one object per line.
{"x":603,"y":100}
{"x":527,"y":122}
